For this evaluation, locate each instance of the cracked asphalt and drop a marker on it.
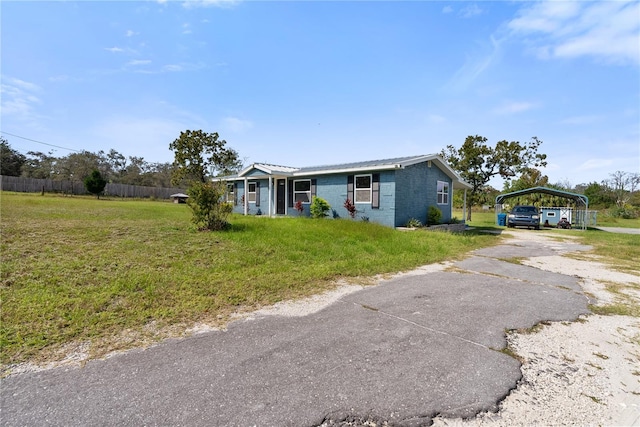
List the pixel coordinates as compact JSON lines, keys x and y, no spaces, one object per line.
{"x":401,"y":352}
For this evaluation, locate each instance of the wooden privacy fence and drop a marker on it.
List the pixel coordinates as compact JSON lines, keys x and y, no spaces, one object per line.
{"x":34,"y":185}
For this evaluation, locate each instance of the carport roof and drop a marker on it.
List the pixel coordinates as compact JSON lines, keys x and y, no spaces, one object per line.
{"x":578,"y":198}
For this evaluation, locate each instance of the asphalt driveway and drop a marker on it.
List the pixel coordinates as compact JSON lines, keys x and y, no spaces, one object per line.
{"x":415,"y":346}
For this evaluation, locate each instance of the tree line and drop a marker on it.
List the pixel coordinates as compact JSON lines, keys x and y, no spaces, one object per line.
{"x":113,"y":166}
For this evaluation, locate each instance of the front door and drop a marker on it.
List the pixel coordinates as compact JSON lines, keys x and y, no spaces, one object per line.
{"x":281,"y":196}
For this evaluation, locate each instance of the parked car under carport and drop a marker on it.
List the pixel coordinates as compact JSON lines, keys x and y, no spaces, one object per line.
{"x":524,"y":216}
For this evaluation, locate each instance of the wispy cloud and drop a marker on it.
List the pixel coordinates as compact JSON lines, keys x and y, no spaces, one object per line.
{"x":210,"y":3}
{"x":114,"y":49}
{"x":513,"y":108}
{"x":447,"y":9}
{"x":608,"y":31}
{"x":131,"y":33}
{"x":592,"y":164}
{"x":234,"y":124}
{"x":137,"y":62}
{"x":19,"y":99}
{"x":436,"y":118}
{"x":476,"y":63}
{"x":186,"y":28}
{"x":470,"y":11}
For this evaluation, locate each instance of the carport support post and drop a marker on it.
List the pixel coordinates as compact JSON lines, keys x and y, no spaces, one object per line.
{"x":464,"y":207}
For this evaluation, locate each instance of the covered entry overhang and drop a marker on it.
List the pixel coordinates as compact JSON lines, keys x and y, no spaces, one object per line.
{"x":581,"y":201}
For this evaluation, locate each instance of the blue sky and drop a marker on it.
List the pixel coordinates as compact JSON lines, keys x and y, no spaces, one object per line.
{"x":303,"y":83}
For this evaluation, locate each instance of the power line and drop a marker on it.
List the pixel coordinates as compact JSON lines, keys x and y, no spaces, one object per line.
{"x":40,"y":142}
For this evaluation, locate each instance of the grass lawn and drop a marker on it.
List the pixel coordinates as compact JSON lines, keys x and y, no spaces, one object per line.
{"x":118,"y":273}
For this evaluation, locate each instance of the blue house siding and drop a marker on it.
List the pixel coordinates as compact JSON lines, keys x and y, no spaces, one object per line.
{"x":333,"y":188}
{"x":416,"y":190}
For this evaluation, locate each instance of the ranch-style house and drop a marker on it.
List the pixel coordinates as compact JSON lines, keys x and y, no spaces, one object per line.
{"x":389,"y":192}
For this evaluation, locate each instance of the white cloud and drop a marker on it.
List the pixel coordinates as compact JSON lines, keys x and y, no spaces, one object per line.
{"x":172,"y":67}
{"x":131,"y":33}
{"x":447,"y":9}
{"x":514,"y":108}
{"x":593,"y":164}
{"x":476,"y":63}
{"x":114,"y":49}
{"x":210,"y":3}
{"x":608,"y":31}
{"x":436,"y":118}
{"x":137,"y":62}
{"x":19,"y":100}
{"x":60,"y":78}
{"x":234,"y":124}
{"x":470,"y":11}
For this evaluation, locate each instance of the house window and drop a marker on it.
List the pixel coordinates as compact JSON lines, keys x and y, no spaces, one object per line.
{"x":302,"y":191}
{"x":551,"y":214}
{"x":443,"y":193}
{"x":251,"y":194}
{"x":363,"y":189}
{"x":230,"y":193}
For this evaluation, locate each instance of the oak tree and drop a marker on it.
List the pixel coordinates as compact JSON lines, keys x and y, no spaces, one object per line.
{"x":477,"y":162}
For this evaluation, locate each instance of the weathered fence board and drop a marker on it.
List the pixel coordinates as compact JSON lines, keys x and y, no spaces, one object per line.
{"x":34,"y":185}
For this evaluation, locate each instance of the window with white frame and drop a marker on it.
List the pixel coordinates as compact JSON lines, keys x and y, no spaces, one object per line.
{"x":302,"y":191}
{"x":251,"y":193}
{"x":363,"y":189}
{"x":230,"y":193}
{"x":443,"y":193}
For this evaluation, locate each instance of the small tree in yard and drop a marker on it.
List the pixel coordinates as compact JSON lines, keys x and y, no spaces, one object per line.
{"x":319,"y":208}
{"x":95,"y":183}
{"x":199,"y":156}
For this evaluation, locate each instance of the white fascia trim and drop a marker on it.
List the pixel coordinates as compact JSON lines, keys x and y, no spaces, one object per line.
{"x":349,"y":170}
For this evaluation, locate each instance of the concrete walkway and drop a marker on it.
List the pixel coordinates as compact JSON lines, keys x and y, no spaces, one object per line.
{"x":620,"y":230}
{"x":417,"y":345}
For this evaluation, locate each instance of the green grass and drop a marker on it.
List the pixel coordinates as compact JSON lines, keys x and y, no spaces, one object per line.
{"x":117,"y":273}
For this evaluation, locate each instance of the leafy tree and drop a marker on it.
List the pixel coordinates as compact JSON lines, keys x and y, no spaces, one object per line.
{"x":622,"y":185}
{"x":11,"y":161}
{"x":599,"y":195}
{"x":95,"y":183}
{"x":198,"y":157}
{"x":78,"y":166}
{"x":39,"y":165}
{"x":477,"y":162}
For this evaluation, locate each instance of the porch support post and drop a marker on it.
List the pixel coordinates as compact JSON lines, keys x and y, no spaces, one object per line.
{"x":246,"y":195}
{"x":270,"y":195}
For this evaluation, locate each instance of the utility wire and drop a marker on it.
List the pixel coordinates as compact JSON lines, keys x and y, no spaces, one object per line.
{"x":40,"y":142}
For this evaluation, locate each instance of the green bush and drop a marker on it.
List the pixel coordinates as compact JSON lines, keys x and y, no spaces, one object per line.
{"x":626,"y":212}
{"x":434,"y":215}
{"x":319,"y":207}
{"x":210,"y":212}
{"x":414,"y":223}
